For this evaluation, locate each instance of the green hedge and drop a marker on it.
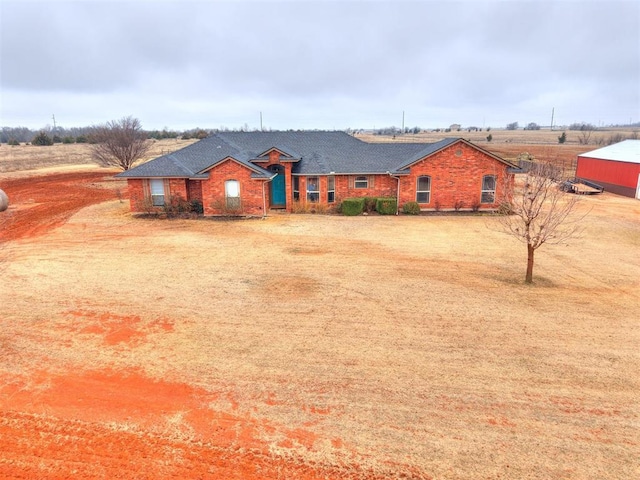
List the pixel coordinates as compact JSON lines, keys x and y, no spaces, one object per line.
{"x":387,"y":206}
{"x":352,"y":206}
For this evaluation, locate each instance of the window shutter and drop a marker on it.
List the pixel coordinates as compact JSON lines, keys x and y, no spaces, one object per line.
{"x":351,"y":181}
{"x":167,"y":188}
{"x":146,"y":189}
{"x":371,"y":181}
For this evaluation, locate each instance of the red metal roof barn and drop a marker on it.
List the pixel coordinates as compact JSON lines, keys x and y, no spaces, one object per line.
{"x":616,"y":167}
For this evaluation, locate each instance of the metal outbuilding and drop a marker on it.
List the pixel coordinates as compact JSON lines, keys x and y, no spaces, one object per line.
{"x":616,"y":167}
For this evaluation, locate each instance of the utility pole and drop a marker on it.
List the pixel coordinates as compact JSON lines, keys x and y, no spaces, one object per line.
{"x":552,"y":112}
{"x":403,"y":121}
{"x":261,"y":122}
{"x":54,"y":122}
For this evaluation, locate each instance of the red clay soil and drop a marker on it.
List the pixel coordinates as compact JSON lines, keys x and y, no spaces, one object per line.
{"x":105,"y":424}
{"x":40,"y":203}
{"x":101,"y":425}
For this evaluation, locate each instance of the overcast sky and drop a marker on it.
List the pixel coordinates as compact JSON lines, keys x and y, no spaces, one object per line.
{"x":319,"y":64}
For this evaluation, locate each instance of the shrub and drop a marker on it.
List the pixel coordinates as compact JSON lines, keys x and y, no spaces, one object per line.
{"x":146,"y":204}
{"x":369,"y":204}
{"x":42,"y":140}
{"x":458,"y":205}
{"x":197,"y":207}
{"x":68,"y":140}
{"x":352,"y":206}
{"x":411,"y":208}
{"x":505,"y":209}
{"x":57,"y":139}
{"x":319,"y":208}
{"x":387,"y":206}
{"x":475,"y":207}
{"x":13,"y":142}
{"x":489,"y":137}
{"x":176,"y":205}
{"x":562,"y":138}
{"x":299,"y":207}
{"x":81,"y":139}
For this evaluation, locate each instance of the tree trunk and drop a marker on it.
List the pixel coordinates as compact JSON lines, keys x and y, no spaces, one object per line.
{"x":530,"y":252}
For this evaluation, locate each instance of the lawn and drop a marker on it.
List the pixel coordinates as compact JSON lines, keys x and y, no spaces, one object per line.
{"x":310,"y":346}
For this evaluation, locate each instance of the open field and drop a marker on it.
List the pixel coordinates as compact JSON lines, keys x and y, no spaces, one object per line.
{"x":30,"y":157}
{"x":543,"y":144}
{"x":311,"y":347}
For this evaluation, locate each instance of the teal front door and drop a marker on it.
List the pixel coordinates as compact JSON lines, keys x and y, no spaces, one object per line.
{"x":278,"y":195}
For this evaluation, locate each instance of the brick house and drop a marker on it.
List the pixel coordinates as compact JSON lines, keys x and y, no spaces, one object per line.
{"x":250,"y":173}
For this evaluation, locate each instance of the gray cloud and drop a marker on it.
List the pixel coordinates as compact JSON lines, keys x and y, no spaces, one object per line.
{"x":319,"y":64}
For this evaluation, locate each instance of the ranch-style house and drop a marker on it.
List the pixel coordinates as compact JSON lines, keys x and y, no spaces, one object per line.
{"x":251,"y":173}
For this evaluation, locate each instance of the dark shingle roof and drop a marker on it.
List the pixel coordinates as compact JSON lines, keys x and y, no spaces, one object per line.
{"x":319,"y":153}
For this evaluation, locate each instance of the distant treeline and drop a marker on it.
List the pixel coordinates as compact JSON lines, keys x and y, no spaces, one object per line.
{"x":17,"y":135}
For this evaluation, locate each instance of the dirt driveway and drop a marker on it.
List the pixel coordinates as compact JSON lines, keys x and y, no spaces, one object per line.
{"x":309,"y":346}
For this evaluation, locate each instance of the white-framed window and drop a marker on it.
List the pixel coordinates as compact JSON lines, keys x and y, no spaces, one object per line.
{"x":331,"y":189}
{"x":361,"y":181}
{"x":313,"y":189}
{"x":232,"y":194}
{"x":296,"y":188}
{"x":488,"y":189}
{"x":156,"y":189}
{"x":423,"y":189}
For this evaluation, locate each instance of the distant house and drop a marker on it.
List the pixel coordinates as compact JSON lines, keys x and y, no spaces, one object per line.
{"x":616,"y":167}
{"x":250,"y":173}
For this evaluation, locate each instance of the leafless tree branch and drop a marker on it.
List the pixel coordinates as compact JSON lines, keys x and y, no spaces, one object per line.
{"x":119,"y":143}
{"x":539,"y":211}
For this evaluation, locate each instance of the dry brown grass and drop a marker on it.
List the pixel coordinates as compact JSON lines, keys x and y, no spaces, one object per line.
{"x":29,"y":157}
{"x":532,"y":137}
{"x":403,"y":344}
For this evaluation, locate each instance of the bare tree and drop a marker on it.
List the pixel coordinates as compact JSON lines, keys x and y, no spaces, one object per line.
{"x":540,"y":211}
{"x":119,"y":143}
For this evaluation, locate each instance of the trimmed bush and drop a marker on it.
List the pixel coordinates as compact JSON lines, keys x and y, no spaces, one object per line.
{"x":352,"y":206}
{"x":386,"y":206}
{"x":411,"y":208}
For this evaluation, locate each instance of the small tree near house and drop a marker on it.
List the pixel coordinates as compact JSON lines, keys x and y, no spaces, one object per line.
{"x":539,"y":211}
{"x":119,"y":143}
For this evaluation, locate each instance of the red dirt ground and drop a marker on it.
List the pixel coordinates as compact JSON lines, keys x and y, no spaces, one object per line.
{"x":40,"y":203}
{"x":103,"y":424}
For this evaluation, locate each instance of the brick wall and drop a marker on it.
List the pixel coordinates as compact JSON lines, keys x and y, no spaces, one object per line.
{"x":136,"y":194}
{"x":456,"y":178}
{"x":178,"y":188}
{"x":194,"y":190}
{"x":213,"y":190}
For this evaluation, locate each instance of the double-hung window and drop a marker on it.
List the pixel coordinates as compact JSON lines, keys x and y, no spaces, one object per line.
{"x":232,"y":194}
{"x":331,"y":189}
{"x":296,"y":188}
{"x":488,"y":189}
{"x":361,"y":181}
{"x":156,"y":187}
{"x":423,"y":189}
{"x":313,"y":189}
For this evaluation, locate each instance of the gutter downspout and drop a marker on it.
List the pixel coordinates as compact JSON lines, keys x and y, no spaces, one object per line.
{"x":397,"y":193}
